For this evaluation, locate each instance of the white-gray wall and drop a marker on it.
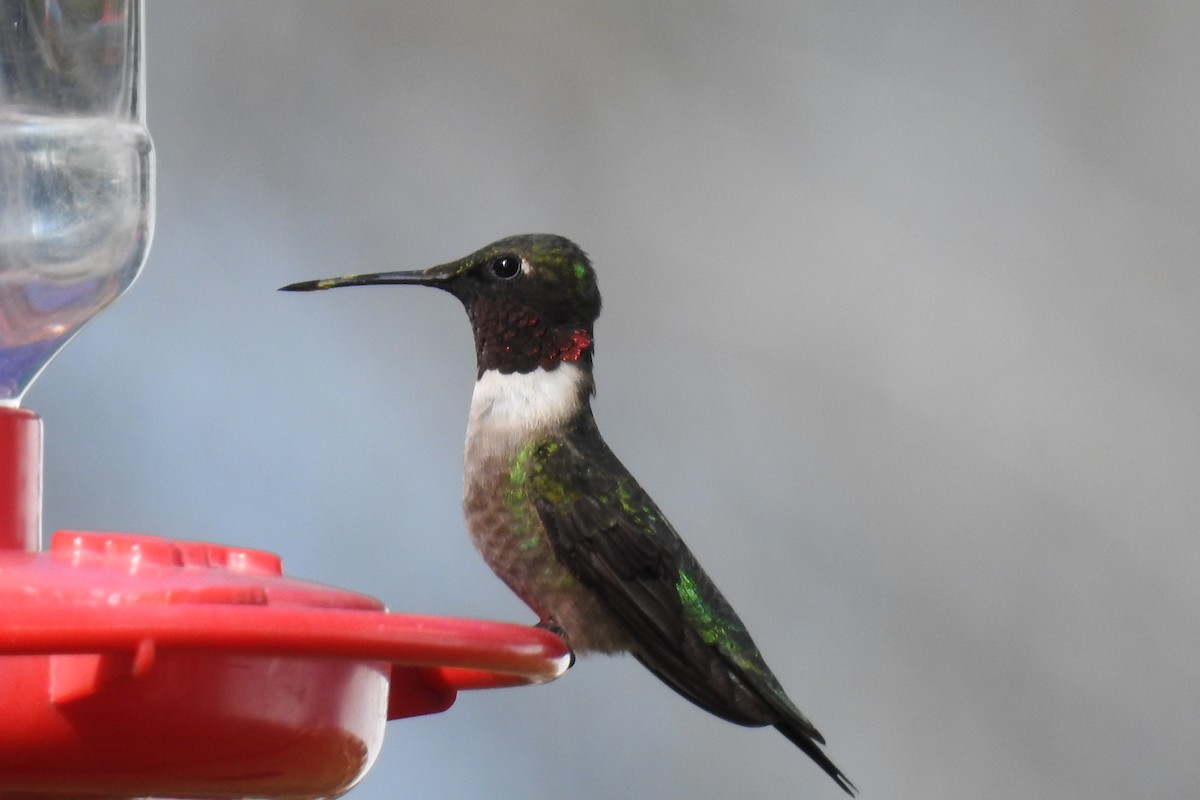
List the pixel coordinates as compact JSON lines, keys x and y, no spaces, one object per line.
{"x":901,"y":330}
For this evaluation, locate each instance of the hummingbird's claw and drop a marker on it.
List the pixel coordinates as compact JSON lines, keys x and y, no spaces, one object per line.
{"x":553,"y":627}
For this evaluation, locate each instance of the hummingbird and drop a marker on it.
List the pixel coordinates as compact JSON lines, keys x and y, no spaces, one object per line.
{"x":556,"y":515}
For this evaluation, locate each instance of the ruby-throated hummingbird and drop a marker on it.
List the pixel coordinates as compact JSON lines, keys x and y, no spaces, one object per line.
{"x":557,"y":516}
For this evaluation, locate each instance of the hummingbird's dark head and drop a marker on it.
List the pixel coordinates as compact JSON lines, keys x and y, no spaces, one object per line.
{"x":532,"y":300}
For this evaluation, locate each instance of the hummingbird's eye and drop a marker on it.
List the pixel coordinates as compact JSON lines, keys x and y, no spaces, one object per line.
{"x":505,"y":267}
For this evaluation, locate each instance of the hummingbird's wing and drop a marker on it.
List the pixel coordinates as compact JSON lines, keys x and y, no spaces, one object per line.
{"x":612,"y":537}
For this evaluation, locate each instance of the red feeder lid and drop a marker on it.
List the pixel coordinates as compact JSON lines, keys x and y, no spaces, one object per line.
{"x":134,"y":665}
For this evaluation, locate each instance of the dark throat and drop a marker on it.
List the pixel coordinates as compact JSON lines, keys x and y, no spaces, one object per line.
{"x":514,"y":339}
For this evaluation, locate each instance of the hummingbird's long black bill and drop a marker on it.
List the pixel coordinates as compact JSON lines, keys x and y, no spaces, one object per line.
{"x":434,"y":276}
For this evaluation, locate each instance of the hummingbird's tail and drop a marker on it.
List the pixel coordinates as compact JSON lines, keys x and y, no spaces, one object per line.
{"x":807,"y":738}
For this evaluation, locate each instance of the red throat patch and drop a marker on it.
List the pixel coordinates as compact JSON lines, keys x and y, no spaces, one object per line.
{"x":576,"y":344}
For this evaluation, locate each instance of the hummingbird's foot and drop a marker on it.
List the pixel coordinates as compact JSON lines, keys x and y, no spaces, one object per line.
{"x":553,"y":627}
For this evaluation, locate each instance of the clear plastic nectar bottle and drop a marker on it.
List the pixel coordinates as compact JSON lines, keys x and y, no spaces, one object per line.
{"x":76,"y":173}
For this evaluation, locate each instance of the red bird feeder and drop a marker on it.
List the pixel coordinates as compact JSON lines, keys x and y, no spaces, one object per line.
{"x":134,"y":665}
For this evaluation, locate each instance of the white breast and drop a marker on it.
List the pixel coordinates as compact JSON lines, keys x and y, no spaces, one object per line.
{"x":506,"y":409}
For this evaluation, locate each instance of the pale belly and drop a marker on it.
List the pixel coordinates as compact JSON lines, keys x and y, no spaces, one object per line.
{"x":513,"y":543}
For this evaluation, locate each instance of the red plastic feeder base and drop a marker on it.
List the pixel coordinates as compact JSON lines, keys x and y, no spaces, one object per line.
{"x":133,"y":665}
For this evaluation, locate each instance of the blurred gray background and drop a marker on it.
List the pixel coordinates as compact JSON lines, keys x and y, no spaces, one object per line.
{"x":901,"y":331}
